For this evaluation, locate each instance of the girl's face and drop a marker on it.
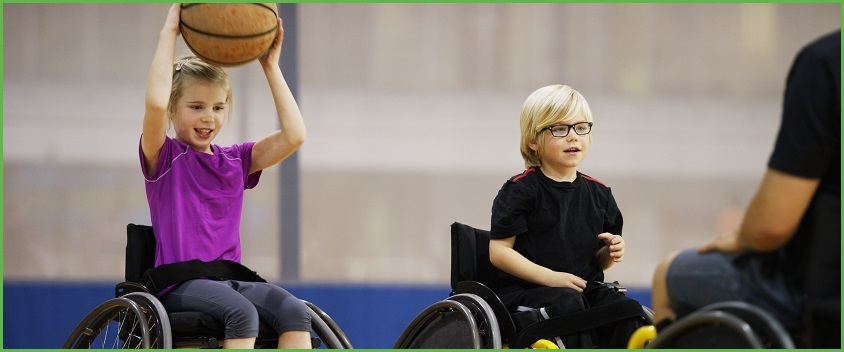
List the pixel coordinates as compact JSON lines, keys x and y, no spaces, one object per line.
{"x":199,"y":115}
{"x":562,"y":155}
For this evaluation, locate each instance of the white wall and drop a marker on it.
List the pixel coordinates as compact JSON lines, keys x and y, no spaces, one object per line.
{"x":412,"y":115}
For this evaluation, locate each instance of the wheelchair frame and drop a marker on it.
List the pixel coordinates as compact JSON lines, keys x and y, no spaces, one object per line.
{"x":732,"y":324}
{"x":136,"y":319}
{"x":467,"y":313}
{"x":472,"y":301}
{"x":474,"y":306}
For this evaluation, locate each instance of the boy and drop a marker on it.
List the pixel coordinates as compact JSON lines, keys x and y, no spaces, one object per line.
{"x":555,"y":230}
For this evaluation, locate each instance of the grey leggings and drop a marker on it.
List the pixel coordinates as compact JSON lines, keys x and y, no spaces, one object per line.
{"x":240,"y":305}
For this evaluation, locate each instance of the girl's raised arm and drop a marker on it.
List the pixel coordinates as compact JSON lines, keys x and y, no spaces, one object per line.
{"x":159,"y":84}
{"x":280,"y":144}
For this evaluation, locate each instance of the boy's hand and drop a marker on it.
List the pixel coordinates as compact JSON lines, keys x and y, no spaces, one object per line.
{"x":560,"y":279}
{"x":274,"y":52}
{"x":615,"y":246}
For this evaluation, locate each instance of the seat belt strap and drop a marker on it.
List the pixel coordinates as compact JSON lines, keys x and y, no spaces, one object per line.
{"x":577,"y":322}
{"x":164,"y":276}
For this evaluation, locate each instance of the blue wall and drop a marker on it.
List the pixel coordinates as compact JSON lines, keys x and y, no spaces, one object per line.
{"x":42,"y":315}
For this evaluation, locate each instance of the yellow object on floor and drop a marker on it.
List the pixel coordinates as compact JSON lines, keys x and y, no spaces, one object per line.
{"x":641,"y":337}
{"x":544,"y":345}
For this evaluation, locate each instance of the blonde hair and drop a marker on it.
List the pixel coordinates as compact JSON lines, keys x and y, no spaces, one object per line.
{"x":545,"y":107}
{"x":190,"y":70}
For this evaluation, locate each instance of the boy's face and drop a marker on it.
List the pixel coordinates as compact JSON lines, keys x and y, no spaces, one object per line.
{"x":199,"y":115}
{"x":563,"y":154}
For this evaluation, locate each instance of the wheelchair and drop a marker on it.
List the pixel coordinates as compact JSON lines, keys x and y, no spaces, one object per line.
{"x":731,"y":324}
{"x":136,"y":319}
{"x":743,"y":325}
{"x":473,"y":316}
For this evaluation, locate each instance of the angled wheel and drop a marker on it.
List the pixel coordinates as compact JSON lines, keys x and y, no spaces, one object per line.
{"x":444,"y":324}
{"x":158,"y":323}
{"x":102,"y":327}
{"x":767,"y":328}
{"x":485,"y":318}
{"x":326,"y":329}
{"x":707,"y":329}
{"x":131,"y":321}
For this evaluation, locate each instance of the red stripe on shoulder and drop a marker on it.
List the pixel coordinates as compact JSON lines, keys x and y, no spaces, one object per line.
{"x":523,"y":174}
{"x":590,"y":178}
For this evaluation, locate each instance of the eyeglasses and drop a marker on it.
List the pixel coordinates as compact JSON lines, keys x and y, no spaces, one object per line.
{"x":562,"y":130}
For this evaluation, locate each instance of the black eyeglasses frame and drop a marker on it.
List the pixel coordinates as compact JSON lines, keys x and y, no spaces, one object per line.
{"x":569,"y":129}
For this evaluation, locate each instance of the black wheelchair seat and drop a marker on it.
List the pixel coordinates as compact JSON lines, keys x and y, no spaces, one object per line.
{"x":189,"y":329}
{"x":136,"y":319}
{"x":473,"y":299}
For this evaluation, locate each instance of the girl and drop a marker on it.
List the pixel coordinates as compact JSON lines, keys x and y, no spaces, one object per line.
{"x":195,"y":188}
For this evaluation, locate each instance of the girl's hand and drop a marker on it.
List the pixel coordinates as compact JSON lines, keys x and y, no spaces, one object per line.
{"x":615,"y":246}
{"x":274,"y":52}
{"x":560,"y":279}
{"x":171,"y":24}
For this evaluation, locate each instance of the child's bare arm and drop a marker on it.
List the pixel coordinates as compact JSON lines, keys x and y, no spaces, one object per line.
{"x":159,"y":82}
{"x":280,"y":144}
{"x":505,"y":258}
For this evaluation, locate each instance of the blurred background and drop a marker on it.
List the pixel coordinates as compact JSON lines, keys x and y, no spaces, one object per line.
{"x":412,"y":116}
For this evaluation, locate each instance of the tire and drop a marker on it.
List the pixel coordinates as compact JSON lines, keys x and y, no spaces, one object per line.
{"x":157,"y":319}
{"x":109,"y":325}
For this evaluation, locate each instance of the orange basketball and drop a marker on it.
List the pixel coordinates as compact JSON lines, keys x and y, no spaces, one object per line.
{"x":229,"y":34}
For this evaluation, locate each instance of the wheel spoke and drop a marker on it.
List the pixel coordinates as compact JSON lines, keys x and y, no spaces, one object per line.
{"x":104,"y":334}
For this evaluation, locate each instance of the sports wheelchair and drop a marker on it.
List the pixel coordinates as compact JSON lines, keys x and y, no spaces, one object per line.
{"x":732,"y":324}
{"x":742,"y":325}
{"x":473,"y":316}
{"x":136,"y":319}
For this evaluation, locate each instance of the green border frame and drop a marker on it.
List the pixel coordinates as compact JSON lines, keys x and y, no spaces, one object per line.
{"x":2,"y":55}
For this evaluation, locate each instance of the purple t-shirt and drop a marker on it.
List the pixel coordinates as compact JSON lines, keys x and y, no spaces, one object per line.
{"x":195,"y":201}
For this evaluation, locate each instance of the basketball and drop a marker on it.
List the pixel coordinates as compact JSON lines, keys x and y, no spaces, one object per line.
{"x":228,"y":34}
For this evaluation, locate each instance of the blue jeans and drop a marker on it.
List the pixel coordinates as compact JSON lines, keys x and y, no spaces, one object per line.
{"x":696,"y":280}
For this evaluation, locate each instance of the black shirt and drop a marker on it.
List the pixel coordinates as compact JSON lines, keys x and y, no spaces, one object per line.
{"x":809,"y":139}
{"x":809,"y":145}
{"x":556,"y":223}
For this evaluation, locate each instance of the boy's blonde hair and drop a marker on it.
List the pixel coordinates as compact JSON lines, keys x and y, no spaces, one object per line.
{"x":189,"y":70}
{"x":545,"y":107}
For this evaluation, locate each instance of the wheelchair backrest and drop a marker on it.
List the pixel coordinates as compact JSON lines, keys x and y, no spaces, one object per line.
{"x":470,"y":257}
{"x":140,"y":251}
